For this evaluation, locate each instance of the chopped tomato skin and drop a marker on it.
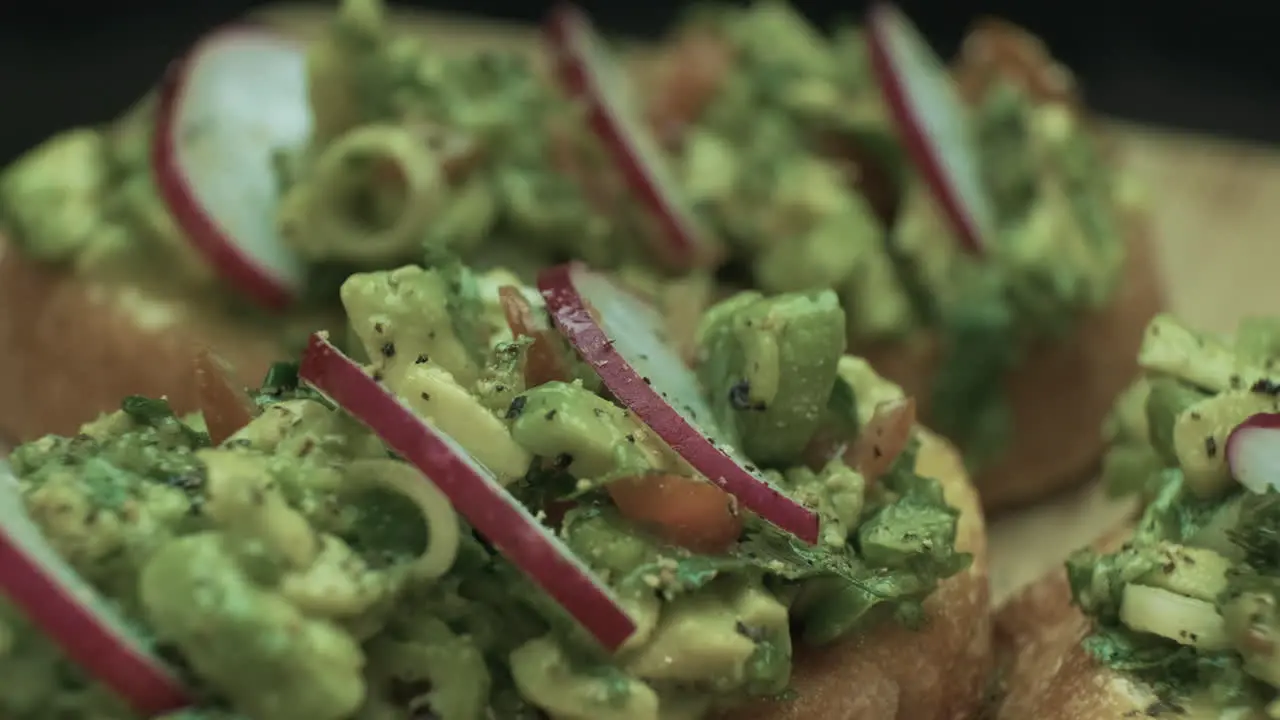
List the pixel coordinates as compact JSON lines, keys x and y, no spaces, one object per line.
{"x":877,"y":446}
{"x":226,"y":406}
{"x":687,"y":77}
{"x":517,"y":311}
{"x":883,"y":439}
{"x":685,"y":511}
{"x":996,"y":50}
{"x":544,"y":362}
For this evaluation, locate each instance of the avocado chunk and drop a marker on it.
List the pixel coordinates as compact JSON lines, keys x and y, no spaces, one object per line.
{"x":304,"y":668}
{"x":710,"y":635}
{"x":1130,"y":468}
{"x":1186,"y":621}
{"x":1166,"y":400}
{"x":51,"y":197}
{"x":416,"y":315}
{"x":428,"y":650}
{"x":1169,"y":348}
{"x":612,"y":546}
{"x":545,"y":674}
{"x":1128,"y":417}
{"x":594,"y":438}
{"x":769,"y":365}
{"x":1195,"y":572}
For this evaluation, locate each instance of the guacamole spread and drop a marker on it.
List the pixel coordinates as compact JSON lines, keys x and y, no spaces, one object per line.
{"x":477,"y":154}
{"x":1189,"y":604}
{"x":783,"y":149}
{"x":791,"y":153}
{"x":298,"y":570}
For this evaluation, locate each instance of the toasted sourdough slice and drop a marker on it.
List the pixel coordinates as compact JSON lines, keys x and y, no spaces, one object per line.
{"x":70,"y":348}
{"x":890,"y":673}
{"x":1045,"y":672}
{"x":1061,"y":392}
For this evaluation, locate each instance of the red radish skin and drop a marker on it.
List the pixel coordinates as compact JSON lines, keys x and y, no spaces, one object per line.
{"x":588,"y":70}
{"x":621,"y":338}
{"x":1253,"y":452}
{"x":933,"y":122}
{"x":473,"y":491}
{"x":225,"y":108}
{"x":72,"y":614}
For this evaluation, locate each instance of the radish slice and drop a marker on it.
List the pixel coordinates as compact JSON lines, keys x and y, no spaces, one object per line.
{"x":621,"y":337}
{"x":226,"y":109}
{"x":588,"y":70}
{"x":1253,"y":452}
{"x":74,"y":616}
{"x":932,"y":121}
{"x":472,"y":489}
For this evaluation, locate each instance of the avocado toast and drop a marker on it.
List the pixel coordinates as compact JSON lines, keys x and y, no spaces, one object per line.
{"x":819,"y":181}
{"x":225,"y":209}
{"x":500,"y":517}
{"x":525,"y":185}
{"x":1174,"y":616}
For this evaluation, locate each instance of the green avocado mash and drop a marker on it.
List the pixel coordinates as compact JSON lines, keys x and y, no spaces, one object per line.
{"x":768,"y":160}
{"x":300,"y":571}
{"x":478,"y":155}
{"x":1189,"y":604}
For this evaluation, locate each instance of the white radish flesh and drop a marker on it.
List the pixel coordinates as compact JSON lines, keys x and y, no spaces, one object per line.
{"x":589,"y":70}
{"x":622,"y":338}
{"x":933,"y":122}
{"x":237,"y":99}
{"x":1253,"y":452}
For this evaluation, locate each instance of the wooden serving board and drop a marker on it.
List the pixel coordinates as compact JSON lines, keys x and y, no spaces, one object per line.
{"x":1215,"y":206}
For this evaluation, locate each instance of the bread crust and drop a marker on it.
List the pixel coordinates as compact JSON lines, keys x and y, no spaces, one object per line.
{"x":889,"y":672}
{"x":1061,"y":392}
{"x":71,"y":348}
{"x":1045,"y":672}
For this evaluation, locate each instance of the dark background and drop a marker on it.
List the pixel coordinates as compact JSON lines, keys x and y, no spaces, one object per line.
{"x":1184,"y":66}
